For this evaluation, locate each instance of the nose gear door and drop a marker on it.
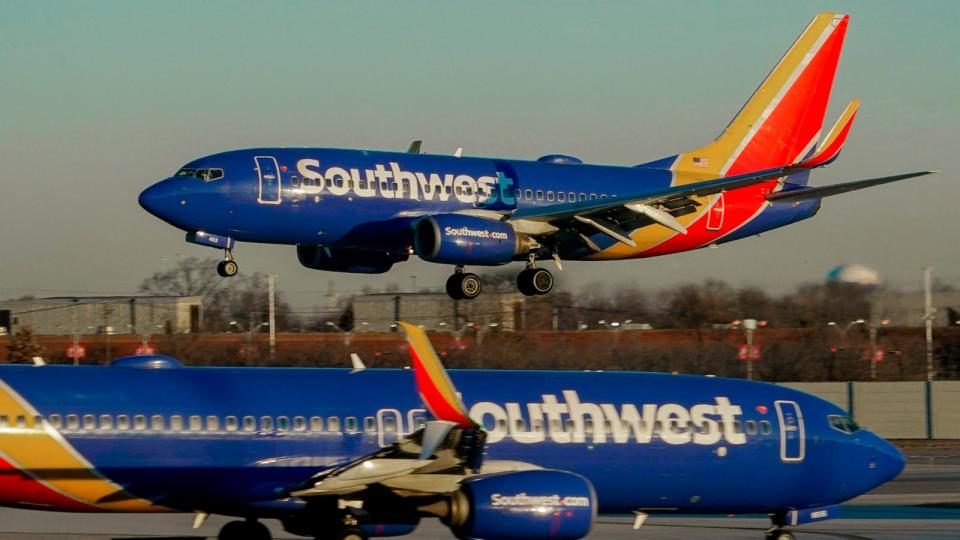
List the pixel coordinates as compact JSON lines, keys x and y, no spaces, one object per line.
{"x":792,"y":436}
{"x":269,"y":174}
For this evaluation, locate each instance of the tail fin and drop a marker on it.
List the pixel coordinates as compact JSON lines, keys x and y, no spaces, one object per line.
{"x":781,"y":122}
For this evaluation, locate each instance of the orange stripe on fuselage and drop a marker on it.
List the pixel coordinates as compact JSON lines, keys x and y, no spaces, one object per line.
{"x":41,"y":452}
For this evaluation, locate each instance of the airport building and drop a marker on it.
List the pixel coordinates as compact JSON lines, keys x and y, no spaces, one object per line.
{"x":437,"y":311}
{"x":906,"y":309}
{"x":103,"y":315}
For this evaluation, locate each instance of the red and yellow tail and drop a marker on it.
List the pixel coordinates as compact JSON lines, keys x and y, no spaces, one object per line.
{"x":436,"y":389}
{"x":781,"y":122}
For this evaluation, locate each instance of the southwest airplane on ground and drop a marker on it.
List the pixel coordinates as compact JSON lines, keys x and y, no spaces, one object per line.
{"x":340,"y":454}
{"x":363,"y":211}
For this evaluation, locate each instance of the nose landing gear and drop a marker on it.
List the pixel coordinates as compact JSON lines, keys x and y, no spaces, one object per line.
{"x":463,"y":285}
{"x":244,"y":530}
{"x":227,"y":267}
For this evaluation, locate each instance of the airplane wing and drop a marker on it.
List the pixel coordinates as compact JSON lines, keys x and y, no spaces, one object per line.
{"x":794,"y":195}
{"x":434,"y":459}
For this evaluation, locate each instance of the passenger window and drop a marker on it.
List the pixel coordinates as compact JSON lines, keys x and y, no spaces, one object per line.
{"x":299,"y":423}
{"x":73,"y":421}
{"x":213,"y":423}
{"x":572,"y":196}
{"x":561,"y":196}
{"x":139,"y":422}
{"x":765,"y":427}
{"x":550,"y":196}
{"x":157,"y":423}
{"x":106,"y":421}
{"x":194,"y":423}
{"x":593,"y":196}
{"x":266,"y":423}
{"x":249,"y":423}
{"x":389,"y":424}
{"x":231,"y":423}
{"x":554,"y":426}
{"x":89,"y":421}
{"x":176,"y":423}
{"x":123,"y":422}
{"x":333,"y":423}
{"x":316,"y":423}
{"x":528,"y":194}
{"x":603,"y":195}
{"x":459,"y":190}
{"x":501,"y":425}
{"x":516,"y":194}
{"x":537,"y":424}
{"x":751,"y":427}
{"x":56,"y":421}
{"x":369,"y":424}
{"x":283,"y":423}
{"x":539,"y":194}
{"x":519,"y":424}
{"x":737,"y":426}
{"x":588,"y":426}
{"x":295,"y":181}
{"x":351,"y":424}
{"x":583,"y":196}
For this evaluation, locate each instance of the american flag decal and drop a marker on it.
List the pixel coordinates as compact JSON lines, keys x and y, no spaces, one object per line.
{"x":700,"y":162}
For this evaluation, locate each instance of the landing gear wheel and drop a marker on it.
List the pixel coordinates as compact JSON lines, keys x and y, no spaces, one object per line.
{"x":534,"y":281}
{"x":227,"y":268}
{"x":464,"y":286}
{"x":780,"y":534}
{"x":244,"y":530}
{"x":352,"y":533}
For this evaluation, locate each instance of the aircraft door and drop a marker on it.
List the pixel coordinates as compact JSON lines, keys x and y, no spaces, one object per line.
{"x":715,"y":214}
{"x":389,"y":426}
{"x":269,"y":175}
{"x":792,"y":436}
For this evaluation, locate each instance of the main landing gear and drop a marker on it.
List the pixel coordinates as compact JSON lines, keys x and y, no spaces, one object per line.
{"x":245,"y":530}
{"x":463,"y":285}
{"x":534,"y":281}
{"x":777,"y":533}
{"x":227,"y":267}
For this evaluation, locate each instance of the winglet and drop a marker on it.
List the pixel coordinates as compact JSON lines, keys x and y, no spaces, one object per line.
{"x":830,"y":147}
{"x":357,"y":363}
{"x":435,"y":388}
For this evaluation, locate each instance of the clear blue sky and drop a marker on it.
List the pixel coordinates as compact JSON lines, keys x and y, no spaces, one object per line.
{"x":100,"y":99}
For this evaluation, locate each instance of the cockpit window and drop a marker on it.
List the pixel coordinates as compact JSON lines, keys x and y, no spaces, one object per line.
{"x":206,"y":175}
{"x":843,"y":424}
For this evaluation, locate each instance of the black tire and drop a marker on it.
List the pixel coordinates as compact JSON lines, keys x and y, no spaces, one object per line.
{"x":470,"y":286}
{"x":780,"y":535}
{"x":352,"y":533}
{"x":525,"y":284}
{"x":244,"y":530}
{"x":227,"y":268}
{"x":541,"y":281}
{"x":453,"y":287}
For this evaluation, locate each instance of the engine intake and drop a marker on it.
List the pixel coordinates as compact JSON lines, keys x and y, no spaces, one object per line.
{"x":524,"y":505}
{"x":461,"y":239}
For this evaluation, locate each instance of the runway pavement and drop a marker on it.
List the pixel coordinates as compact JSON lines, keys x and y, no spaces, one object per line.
{"x":924,"y":503}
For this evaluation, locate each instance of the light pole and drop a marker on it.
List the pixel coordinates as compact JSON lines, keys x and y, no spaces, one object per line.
{"x":873,"y":347}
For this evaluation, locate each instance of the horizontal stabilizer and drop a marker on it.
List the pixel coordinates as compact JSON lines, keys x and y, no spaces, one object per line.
{"x":836,"y":189}
{"x":830,"y":147}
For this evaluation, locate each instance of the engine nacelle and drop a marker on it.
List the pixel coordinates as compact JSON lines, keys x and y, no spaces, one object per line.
{"x":524,"y":505}
{"x":346,"y":260}
{"x":462,"y":239}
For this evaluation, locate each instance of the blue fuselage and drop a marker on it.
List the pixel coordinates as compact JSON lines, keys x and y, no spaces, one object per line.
{"x":235,"y":440}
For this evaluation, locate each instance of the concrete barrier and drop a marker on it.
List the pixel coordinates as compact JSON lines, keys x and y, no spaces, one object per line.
{"x":896,"y":410}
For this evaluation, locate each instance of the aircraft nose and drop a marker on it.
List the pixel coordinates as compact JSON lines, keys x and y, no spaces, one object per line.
{"x":888,"y":460}
{"x":163,"y":199}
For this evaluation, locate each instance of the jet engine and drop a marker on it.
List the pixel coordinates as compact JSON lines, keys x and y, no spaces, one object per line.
{"x":463,"y":239}
{"x":524,"y":505}
{"x":347,"y":260}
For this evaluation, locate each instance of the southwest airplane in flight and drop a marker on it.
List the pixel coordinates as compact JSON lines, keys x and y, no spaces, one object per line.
{"x":363,"y":210}
{"x":339,"y":454}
